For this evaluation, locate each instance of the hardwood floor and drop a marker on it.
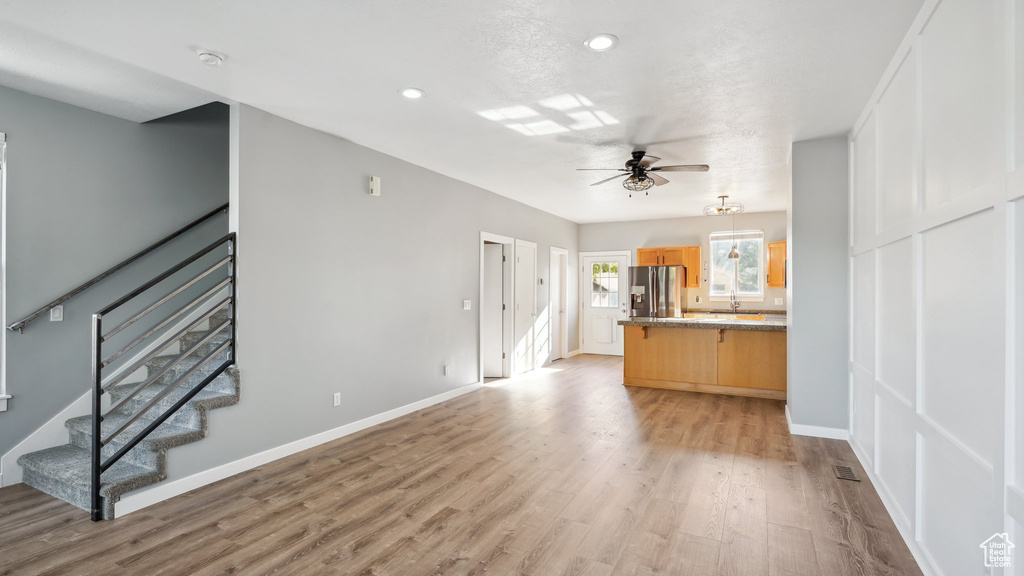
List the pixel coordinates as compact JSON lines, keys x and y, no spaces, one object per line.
{"x":562,"y":472}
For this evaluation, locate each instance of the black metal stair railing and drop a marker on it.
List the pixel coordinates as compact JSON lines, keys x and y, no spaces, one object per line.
{"x":226,"y":266}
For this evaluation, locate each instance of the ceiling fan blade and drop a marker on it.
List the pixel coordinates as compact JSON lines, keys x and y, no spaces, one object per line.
{"x":648,"y":160}
{"x":682,"y":168}
{"x":604,"y":169}
{"x":658,"y":180}
{"x":609,"y":179}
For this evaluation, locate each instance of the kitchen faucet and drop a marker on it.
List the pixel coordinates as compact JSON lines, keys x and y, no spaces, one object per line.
{"x":733,"y":302}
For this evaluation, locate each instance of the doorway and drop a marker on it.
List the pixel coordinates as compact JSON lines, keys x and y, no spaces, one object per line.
{"x":525,"y":298}
{"x":496,"y":293}
{"x":557,"y":295}
{"x":604,"y":279}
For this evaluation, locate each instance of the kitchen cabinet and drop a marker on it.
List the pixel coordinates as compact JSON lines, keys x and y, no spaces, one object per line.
{"x":719,"y":361}
{"x":692,"y":266}
{"x":648,"y":256}
{"x":688,"y":256}
{"x":777,"y":265}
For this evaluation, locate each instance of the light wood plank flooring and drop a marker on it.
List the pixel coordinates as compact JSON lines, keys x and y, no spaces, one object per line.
{"x":561,"y":472}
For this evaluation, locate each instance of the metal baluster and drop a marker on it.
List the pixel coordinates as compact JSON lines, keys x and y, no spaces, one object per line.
{"x":97,"y":413}
{"x":232,"y":265}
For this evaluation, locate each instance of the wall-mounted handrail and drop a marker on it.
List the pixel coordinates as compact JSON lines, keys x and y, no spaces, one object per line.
{"x":19,"y":326}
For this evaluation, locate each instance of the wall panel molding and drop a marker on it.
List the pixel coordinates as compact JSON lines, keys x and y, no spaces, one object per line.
{"x":940,"y":136}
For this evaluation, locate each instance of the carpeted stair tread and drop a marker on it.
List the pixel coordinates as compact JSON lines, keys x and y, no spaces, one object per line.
{"x":64,"y":472}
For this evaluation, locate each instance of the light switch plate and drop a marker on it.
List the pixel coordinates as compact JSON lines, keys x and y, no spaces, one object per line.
{"x":779,"y":301}
{"x":57,"y":314}
{"x":337,"y":398}
{"x":467,"y":304}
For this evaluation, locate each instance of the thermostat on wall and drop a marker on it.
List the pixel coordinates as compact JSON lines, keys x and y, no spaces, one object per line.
{"x":374,"y":185}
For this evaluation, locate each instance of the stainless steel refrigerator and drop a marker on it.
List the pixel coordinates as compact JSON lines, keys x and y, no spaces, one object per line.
{"x":657,"y":291}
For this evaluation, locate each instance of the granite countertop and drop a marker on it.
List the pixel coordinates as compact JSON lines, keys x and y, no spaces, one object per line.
{"x":771,"y":323}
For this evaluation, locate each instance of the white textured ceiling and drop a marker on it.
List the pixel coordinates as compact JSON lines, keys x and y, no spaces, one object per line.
{"x":730,"y":83}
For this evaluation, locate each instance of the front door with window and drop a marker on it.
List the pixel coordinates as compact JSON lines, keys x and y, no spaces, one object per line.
{"x":604,"y":303}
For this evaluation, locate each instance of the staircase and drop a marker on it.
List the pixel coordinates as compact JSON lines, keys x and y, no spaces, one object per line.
{"x":183,"y":345}
{"x":65,"y":471}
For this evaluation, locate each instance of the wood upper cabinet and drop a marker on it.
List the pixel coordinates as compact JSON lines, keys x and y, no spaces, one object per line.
{"x":777,"y":265}
{"x":648,"y":256}
{"x":673,"y":256}
{"x":688,"y":256}
{"x":692,"y":264}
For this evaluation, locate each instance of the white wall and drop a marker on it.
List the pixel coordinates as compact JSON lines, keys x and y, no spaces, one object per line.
{"x":342,"y":291}
{"x":607,"y":236}
{"x":937,"y":267}
{"x":816,"y":334}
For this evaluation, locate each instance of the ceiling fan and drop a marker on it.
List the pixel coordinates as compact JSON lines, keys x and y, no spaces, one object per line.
{"x":640,"y":173}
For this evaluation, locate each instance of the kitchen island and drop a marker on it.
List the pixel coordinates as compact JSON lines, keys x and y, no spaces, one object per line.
{"x":717,"y":355}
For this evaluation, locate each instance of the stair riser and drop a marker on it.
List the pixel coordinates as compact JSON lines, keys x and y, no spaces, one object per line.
{"x":182,"y":367}
{"x":57,"y":489}
{"x":142,"y":455}
{"x":223,"y":384}
{"x":193,"y":337}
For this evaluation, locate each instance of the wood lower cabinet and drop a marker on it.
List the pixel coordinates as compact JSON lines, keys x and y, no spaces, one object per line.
{"x":688,"y":256}
{"x":777,"y":265}
{"x":734,"y":362}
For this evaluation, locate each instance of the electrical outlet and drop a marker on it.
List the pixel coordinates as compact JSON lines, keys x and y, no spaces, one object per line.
{"x":697,"y":299}
{"x":779,"y":301}
{"x":57,"y":314}
{"x":337,"y":398}
{"x":467,"y":304}
{"x":447,"y":369}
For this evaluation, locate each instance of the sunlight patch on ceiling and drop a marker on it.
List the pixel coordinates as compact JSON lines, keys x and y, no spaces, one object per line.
{"x":573,"y":106}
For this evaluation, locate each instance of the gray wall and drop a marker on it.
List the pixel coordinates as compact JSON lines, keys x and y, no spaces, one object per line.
{"x":686,"y":232}
{"x":818,"y":341}
{"x":84,"y":191}
{"x":340,"y":291}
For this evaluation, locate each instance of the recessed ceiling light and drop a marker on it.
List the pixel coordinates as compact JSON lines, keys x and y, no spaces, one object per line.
{"x":601,"y":42}
{"x":412,"y":93}
{"x":210,"y":58}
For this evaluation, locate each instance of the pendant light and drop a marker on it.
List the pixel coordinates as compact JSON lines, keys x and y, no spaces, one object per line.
{"x":734,"y":254}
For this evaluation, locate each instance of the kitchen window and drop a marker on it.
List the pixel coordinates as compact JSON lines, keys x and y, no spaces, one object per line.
{"x":743,"y":275}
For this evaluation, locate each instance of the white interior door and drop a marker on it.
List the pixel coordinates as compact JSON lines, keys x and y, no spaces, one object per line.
{"x":491,"y":309}
{"x":525,"y":307}
{"x":604,"y":303}
{"x":556,"y":304}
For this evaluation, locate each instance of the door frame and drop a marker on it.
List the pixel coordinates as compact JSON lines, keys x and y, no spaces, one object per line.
{"x":515,"y":301}
{"x":508,"y":318}
{"x":598,"y":253}
{"x":563,"y":338}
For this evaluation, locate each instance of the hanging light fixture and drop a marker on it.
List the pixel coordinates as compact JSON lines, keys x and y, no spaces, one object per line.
{"x":727,"y":209}
{"x":723,"y":209}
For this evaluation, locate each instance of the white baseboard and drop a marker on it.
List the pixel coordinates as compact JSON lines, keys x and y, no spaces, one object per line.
{"x":575,"y":352}
{"x":166,"y":490}
{"x":816,"y":431}
{"x":52,"y":433}
{"x":906,"y":531}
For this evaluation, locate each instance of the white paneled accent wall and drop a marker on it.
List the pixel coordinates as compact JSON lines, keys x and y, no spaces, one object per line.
{"x":937,"y":284}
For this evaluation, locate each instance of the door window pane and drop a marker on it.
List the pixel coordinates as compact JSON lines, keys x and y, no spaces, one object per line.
{"x":604,"y":285}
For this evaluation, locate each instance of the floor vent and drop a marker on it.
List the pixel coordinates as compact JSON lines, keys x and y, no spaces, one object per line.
{"x":845,"y":473}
